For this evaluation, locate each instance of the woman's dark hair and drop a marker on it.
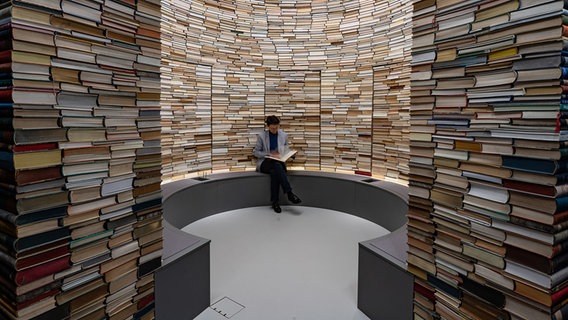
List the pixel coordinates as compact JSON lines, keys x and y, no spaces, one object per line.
{"x":272,"y":120}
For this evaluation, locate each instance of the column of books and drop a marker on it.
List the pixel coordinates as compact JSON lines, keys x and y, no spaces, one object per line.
{"x":80,"y":214}
{"x":238,"y":82}
{"x":186,"y":96}
{"x":294,"y":96}
{"x":391,"y":92}
{"x":487,"y":217}
{"x":347,"y":88}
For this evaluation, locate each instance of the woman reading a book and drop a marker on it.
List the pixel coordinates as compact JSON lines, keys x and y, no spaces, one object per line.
{"x":271,"y":151}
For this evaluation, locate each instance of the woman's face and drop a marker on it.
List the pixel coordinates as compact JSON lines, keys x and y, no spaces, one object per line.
{"x":273,"y":128}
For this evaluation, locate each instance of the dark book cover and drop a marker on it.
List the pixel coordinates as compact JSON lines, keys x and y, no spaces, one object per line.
{"x":5,"y":56}
{"x":8,"y":291}
{"x":154,"y":203}
{"x":540,"y":203}
{"x":96,"y":260}
{"x":144,"y":311}
{"x":551,"y":61}
{"x":424,"y":291}
{"x":35,"y":273}
{"x":536,"y":261}
{"x":149,"y":266}
{"x":488,"y":294}
{"x":149,"y":113}
{"x":560,"y":217}
{"x":8,"y":201}
{"x":444,"y":287}
{"x":24,"y":177}
{"x":6,"y":95}
{"x":5,"y":67}
{"x":561,"y":314}
{"x":6,"y":156}
{"x":5,"y":44}
{"x":35,"y":299}
{"x":552,"y":229}
{"x":16,"y":306}
{"x":20,"y":220}
{"x":41,"y":258}
{"x":480,"y":309}
{"x":535,"y":165}
{"x":129,"y":219}
{"x":35,"y":240}
{"x":7,"y":176}
{"x":534,"y":188}
{"x":147,"y":300}
{"x":7,"y":136}
{"x":6,"y":114}
{"x":462,"y":61}
{"x":35,"y":7}
{"x":33,"y":136}
{"x":59,"y":312}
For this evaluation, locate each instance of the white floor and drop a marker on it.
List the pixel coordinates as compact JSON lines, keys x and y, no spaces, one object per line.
{"x":300,"y":264}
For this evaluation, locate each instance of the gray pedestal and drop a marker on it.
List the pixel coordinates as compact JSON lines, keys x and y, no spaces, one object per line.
{"x":385,"y":288}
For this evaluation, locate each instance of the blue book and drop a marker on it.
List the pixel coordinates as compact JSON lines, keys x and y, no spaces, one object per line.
{"x":443,"y":286}
{"x":545,"y":166}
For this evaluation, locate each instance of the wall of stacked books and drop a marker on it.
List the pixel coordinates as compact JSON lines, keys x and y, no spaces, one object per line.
{"x":488,"y":203}
{"x":80,"y":202}
{"x":318,"y":64}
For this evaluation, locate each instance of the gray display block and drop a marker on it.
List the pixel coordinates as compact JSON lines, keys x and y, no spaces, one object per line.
{"x":182,"y":283}
{"x":385,"y":288}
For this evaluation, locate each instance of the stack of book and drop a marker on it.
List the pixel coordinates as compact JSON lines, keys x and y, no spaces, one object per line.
{"x":391,"y":93}
{"x":186,"y":95}
{"x":243,"y":49}
{"x":294,"y":97}
{"x":486,"y":220}
{"x":81,"y":214}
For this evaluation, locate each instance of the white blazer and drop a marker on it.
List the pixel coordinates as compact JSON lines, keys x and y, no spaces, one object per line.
{"x":262,"y":147}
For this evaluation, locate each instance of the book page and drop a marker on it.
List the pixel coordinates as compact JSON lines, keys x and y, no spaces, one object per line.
{"x":282,"y":156}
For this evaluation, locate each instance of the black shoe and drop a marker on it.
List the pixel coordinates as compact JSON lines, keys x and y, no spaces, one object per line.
{"x":276,"y":207}
{"x":293,"y":198}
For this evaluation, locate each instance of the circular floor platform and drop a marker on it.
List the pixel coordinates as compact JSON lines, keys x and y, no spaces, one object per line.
{"x":300,"y":264}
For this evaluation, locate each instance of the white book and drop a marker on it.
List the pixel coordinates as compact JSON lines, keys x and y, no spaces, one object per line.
{"x":283,"y":157}
{"x":536,"y":277}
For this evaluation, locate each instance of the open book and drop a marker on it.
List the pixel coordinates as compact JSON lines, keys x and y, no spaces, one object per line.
{"x":282,"y":156}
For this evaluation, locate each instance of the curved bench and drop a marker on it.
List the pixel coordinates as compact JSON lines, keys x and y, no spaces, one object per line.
{"x":186,"y":257}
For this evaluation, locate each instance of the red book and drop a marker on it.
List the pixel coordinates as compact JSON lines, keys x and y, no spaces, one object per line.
{"x":36,"y":147}
{"x":6,"y":95}
{"x":29,"y":275}
{"x":364,"y":173}
{"x":24,"y":177}
{"x":424,"y":291}
{"x":145,"y":301}
{"x":42,"y":257}
{"x":560,"y":295}
{"x":5,"y":67}
{"x":5,"y":56}
{"x":535,"y":188}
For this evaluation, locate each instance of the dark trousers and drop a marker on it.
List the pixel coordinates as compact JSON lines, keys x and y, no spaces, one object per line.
{"x":278,"y":177}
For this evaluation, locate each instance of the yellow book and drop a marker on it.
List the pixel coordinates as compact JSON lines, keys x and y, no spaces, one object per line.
{"x":29,"y":57}
{"x":39,"y":159}
{"x":500,"y":54}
